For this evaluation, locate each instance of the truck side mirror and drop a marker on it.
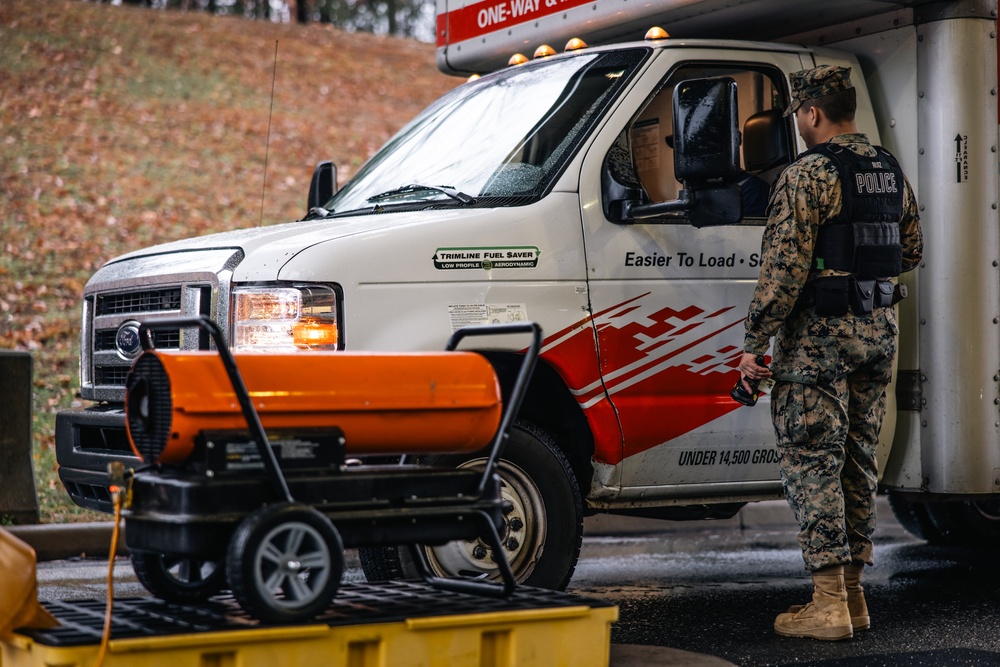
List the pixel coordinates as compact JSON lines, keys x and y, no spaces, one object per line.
{"x":706,"y":156}
{"x":706,"y":132}
{"x":322,"y":186}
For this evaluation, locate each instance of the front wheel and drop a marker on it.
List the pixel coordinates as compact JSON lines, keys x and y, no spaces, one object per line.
{"x":542,"y":523}
{"x":285,"y":562}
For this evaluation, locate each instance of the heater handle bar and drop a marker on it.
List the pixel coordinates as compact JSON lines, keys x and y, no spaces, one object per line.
{"x":520,"y":383}
{"x":280,"y":486}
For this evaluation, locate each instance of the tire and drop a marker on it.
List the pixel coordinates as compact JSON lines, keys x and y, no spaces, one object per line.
{"x":913,"y":517}
{"x":178,"y":579}
{"x":955,"y":522}
{"x":284,"y":563}
{"x":974,"y":523}
{"x":542,"y":534}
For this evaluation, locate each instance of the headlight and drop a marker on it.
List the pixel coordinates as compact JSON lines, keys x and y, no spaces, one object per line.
{"x":274,"y":318}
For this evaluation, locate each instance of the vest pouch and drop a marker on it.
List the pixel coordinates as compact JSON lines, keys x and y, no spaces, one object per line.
{"x":883,"y":294}
{"x":832,"y":295}
{"x":862,"y":296}
{"x":834,"y":248}
{"x":878,"y":252}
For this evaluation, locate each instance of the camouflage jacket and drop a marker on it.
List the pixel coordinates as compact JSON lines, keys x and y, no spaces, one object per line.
{"x":808,"y":194}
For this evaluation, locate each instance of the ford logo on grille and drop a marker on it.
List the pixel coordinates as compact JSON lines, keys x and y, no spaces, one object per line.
{"x":127,"y":340}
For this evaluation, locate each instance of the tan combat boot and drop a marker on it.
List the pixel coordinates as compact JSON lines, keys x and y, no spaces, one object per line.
{"x":827,"y":616}
{"x":855,"y":597}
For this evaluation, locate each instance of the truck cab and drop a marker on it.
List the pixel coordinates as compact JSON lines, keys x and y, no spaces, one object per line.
{"x":614,"y":194}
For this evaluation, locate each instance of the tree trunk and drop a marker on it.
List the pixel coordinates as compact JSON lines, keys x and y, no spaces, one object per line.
{"x":391,"y":7}
{"x":300,"y":10}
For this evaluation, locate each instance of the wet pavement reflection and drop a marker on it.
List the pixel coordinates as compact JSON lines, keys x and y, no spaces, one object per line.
{"x":716,"y":590}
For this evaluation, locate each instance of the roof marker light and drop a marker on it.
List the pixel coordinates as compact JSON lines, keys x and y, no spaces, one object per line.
{"x":656,"y":32}
{"x":517,"y":59}
{"x":544,"y":51}
{"x":472,"y":77}
{"x":575,"y":44}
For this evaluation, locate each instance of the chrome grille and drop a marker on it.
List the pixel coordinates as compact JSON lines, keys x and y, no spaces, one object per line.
{"x":147,"y":301}
{"x":104,"y":339}
{"x":111,"y":375}
{"x":145,"y":289}
{"x":108,"y":367}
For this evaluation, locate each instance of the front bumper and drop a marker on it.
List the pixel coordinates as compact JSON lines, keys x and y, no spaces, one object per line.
{"x":87,"y":440}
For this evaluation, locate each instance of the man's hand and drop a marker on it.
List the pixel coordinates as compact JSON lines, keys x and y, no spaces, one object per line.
{"x":750,"y":369}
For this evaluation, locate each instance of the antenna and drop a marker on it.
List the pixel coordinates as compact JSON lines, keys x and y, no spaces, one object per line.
{"x":267,"y":144}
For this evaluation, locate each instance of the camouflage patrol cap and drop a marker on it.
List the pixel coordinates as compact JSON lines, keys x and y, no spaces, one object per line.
{"x":809,"y":84}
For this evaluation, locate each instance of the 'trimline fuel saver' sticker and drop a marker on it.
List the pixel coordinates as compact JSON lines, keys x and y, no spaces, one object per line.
{"x":502,"y":257}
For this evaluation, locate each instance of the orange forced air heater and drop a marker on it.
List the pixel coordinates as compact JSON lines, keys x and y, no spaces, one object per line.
{"x":265,"y":486}
{"x":384,"y":403}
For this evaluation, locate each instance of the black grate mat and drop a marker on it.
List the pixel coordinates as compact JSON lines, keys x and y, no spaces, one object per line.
{"x":82,"y":621}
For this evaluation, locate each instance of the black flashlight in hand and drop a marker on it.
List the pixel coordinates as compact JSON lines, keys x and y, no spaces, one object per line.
{"x":740,"y":394}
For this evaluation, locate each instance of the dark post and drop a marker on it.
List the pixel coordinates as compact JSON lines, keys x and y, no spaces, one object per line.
{"x":18,"y":499}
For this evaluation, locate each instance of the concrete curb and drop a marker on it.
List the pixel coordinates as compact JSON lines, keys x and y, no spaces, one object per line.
{"x":637,"y":655}
{"x":57,"y":541}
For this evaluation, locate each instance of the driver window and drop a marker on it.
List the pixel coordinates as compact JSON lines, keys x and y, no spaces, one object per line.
{"x":765,"y":149}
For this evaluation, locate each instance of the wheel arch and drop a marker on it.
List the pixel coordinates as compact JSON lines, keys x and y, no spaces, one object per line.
{"x":550,"y":405}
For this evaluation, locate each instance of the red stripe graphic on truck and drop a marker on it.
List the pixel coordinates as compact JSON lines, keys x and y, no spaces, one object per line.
{"x":489,"y":16}
{"x":667,"y":371}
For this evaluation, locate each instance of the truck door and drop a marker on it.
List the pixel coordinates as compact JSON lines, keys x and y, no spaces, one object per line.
{"x":668,"y":299}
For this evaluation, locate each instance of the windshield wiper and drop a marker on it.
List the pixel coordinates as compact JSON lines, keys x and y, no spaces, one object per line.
{"x":414,"y":188}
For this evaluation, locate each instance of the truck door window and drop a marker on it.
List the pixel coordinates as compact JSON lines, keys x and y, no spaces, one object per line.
{"x":765,"y":149}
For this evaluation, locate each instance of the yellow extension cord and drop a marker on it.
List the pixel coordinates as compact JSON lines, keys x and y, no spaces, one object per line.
{"x":116,"y":499}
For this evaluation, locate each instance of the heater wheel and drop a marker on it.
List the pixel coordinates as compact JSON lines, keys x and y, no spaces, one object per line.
{"x":284,"y":563}
{"x":180,"y":579}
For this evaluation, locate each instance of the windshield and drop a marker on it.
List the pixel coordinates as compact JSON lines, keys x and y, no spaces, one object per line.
{"x":500,"y":140}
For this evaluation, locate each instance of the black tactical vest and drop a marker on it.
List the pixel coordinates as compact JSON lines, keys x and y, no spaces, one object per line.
{"x":864,"y":238}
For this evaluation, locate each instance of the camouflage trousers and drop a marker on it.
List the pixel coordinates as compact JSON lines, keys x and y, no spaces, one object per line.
{"x":827,"y":407}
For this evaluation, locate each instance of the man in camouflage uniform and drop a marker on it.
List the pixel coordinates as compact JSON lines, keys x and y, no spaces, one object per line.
{"x":830,"y":372}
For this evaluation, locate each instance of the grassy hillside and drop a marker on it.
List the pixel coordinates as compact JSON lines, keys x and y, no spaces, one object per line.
{"x":121,"y":127}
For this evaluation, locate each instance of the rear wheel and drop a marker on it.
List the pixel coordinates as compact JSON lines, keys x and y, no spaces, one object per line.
{"x":965,"y":522}
{"x":179,"y":579}
{"x":913,"y":517}
{"x":543,"y":521}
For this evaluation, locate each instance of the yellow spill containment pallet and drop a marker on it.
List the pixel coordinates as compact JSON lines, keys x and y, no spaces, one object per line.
{"x":397,"y":624}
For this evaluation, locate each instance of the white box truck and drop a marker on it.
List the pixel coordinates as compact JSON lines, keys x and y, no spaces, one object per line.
{"x":596,"y":192}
